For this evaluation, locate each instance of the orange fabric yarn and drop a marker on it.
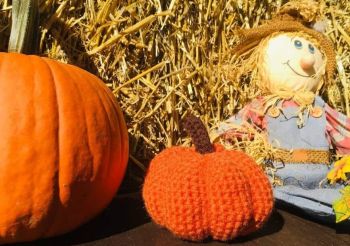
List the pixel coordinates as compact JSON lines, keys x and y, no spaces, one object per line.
{"x":223,"y":194}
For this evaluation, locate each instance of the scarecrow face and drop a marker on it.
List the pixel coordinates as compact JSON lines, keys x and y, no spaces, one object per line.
{"x":293,"y":63}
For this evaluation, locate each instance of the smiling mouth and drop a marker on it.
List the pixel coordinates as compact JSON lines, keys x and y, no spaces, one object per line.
{"x":305,"y":76}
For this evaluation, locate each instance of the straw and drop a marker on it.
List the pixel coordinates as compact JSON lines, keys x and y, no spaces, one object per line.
{"x":164,"y":59}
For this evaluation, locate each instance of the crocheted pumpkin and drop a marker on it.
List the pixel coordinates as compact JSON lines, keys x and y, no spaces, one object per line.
{"x":207,"y":190}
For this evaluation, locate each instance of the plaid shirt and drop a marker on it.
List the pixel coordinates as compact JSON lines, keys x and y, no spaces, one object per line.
{"x":338,"y":130}
{"x":337,"y":127}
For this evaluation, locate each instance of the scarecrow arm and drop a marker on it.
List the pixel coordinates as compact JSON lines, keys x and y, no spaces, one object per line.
{"x":338,"y":130}
{"x":244,"y":123}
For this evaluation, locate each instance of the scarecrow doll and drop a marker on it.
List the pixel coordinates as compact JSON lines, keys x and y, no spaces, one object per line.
{"x":291,"y":61}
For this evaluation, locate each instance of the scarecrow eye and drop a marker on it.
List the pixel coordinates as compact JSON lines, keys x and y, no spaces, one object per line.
{"x":298,"y":44}
{"x":311,"y":49}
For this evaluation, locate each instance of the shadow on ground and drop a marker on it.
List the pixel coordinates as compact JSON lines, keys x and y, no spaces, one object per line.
{"x":273,"y":225}
{"x":340,"y":228}
{"x":124,"y":213}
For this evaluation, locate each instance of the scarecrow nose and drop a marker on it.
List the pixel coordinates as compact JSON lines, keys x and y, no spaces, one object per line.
{"x":307,"y":62}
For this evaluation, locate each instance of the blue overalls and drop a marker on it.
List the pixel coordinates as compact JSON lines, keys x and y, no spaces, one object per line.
{"x":301,"y":182}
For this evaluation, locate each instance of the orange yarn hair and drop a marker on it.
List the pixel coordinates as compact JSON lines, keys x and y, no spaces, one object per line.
{"x":207,"y":191}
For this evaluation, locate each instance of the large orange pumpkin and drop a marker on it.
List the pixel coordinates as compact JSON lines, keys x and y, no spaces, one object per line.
{"x":63,"y":147}
{"x":206,"y":191}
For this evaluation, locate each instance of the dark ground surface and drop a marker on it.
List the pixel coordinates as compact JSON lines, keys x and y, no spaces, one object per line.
{"x":125,"y":222}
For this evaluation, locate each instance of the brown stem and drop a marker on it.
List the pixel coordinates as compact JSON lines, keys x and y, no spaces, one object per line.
{"x":197,"y":131}
{"x":25,"y":26}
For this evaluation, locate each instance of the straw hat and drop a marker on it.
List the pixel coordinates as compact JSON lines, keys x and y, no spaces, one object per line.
{"x":294,"y":16}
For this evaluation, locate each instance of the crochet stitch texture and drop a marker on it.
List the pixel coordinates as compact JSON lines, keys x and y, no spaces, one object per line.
{"x":222,"y":195}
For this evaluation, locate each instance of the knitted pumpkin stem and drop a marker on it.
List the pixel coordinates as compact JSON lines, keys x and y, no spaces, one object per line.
{"x":197,"y":131}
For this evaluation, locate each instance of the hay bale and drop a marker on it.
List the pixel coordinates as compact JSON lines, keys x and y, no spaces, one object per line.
{"x":165,"y":58}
